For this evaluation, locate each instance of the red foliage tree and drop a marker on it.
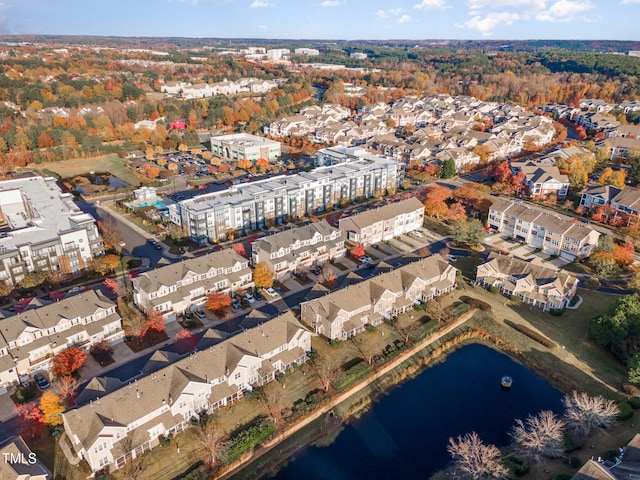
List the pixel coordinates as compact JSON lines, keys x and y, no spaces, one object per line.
{"x":218,"y":302}
{"x":66,"y":388}
{"x":68,"y":361}
{"x":623,"y":254}
{"x":30,"y":419}
{"x":111,"y":284}
{"x":456,"y":212}
{"x":357,"y":251}
{"x":155,"y":321}
{"x":239,"y":248}
{"x":185,"y":341}
{"x":581,"y":133}
{"x":501,"y":172}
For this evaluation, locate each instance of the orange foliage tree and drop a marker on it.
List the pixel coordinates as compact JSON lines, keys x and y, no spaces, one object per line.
{"x":263,"y":275}
{"x":357,"y":250}
{"x":155,"y":321}
{"x":218,"y":302}
{"x":68,"y":361}
{"x":239,"y":248}
{"x":51,"y":408}
{"x":30,"y":419}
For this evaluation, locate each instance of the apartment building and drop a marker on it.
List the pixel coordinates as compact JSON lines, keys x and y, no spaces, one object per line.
{"x":344,"y":313}
{"x":242,"y":146}
{"x":551,"y":232}
{"x":384,"y":223}
{"x":165,"y":400}
{"x":253,"y":206}
{"x":185,"y":286}
{"x":541,"y":286}
{"x":42,"y":229}
{"x":299,"y":248}
{"x":30,"y":339}
{"x":541,"y":180}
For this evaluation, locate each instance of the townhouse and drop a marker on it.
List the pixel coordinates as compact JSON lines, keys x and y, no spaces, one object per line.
{"x":288,"y":251}
{"x":542,"y":180}
{"x":624,"y":200}
{"x":535,"y":284}
{"x":553,"y":233}
{"x":384,"y":223}
{"x":184,"y":286}
{"x":255,"y":205}
{"x":596,"y":121}
{"x":43,"y":230}
{"x":30,"y":339}
{"x":20,"y":463}
{"x":344,"y":313}
{"x":242,"y":146}
{"x":186,"y":90}
{"x":620,"y":147}
{"x":165,"y":400}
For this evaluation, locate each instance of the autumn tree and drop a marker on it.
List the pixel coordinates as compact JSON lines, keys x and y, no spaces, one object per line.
{"x":30,"y":419}
{"x":66,"y":388}
{"x":111,"y":284}
{"x":435,"y":200}
{"x":185,"y":341}
{"x":155,"y":321}
{"x":110,"y":233}
{"x":263,"y":275}
{"x":327,"y":367}
{"x":540,"y":436}
{"x":239,"y":248}
{"x":105,"y":264}
{"x":586,"y":414}
{"x":473,"y":459}
{"x":357,"y":251}
{"x":368,"y":346}
{"x":102,"y":352}
{"x":274,"y":403}
{"x":218,"y":302}
{"x":51,"y":408}
{"x":33,"y":279}
{"x":623,"y":254}
{"x":210,"y":436}
{"x":68,"y":361}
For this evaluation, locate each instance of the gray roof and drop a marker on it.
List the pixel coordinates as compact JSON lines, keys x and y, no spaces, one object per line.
{"x":392,"y":210}
{"x":286,"y":238}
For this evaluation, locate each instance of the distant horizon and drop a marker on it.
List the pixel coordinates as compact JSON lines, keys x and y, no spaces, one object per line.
{"x":326,"y":20}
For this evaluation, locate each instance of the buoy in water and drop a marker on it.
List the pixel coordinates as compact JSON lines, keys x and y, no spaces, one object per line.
{"x":506,"y":381}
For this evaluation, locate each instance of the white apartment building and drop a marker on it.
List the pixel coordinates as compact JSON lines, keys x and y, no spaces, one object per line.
{"x":242,"y":146}
{"x":42,"y":229}
{"x":277,"y":54}
{"x":307,"y":52}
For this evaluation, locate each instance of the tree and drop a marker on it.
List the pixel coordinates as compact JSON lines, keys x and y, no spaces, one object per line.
{"x":239,"y":248}
{"x":578,"y":179}
{"x":586,"y":414}
{"x":617,"y":329}
{"x":368,"y":346}
{"x":604,"y":264}
{"x":274,"y":403}
{"x":541,"y":436}
{"x":51,"y":408}
{"x":155,"y":321}
{"x":110,"y":233}
{"x":66,"y":388}
{"x":111,"y":284}
{"x":30,"y":419}
{"x":473,"y":459}
{"x":68,"y":361}
{"x":218,"y":303}
{"x":456,"y":212}
{"x":327,"y":367}
{"x":623,"y":254}
{"x":5,"y":289}
{"x":448,"y":168}
{"x":105,"y":264}
{"x":634,"y":369}
{"x":185,"y":341}
{"x":210,"y":437}
{"x":33,"y":279}
{"x":357,"y":251}
{"x":470,"y":232}
{"x":263,"y":275}
{"x":436,"y":310}
{"x":605,"y":244}
{"x":101,"y":352}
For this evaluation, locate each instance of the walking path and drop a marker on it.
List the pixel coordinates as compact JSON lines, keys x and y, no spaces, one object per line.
{"x":341,"y":397}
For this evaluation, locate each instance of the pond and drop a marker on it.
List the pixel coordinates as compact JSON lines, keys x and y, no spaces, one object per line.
{"x":406,"y":432}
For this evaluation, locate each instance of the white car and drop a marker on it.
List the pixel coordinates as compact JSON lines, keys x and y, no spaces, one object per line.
{"x":271,"y":292}
{"x":366,"y":259}
{"x":417,"y":233}
{"x":249,"y":298}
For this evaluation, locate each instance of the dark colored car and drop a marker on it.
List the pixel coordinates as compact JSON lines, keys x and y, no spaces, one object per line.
{"x":317,"y":270}
{"x":41,"y":381}
{"x":158,"y":246}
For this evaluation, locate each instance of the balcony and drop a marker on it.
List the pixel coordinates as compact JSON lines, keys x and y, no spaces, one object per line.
{"x":41,"y":359}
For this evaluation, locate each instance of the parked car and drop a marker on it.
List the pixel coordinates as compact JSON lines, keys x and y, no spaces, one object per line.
{"x":200,"y":314}
{"x":271,"y":292}
{"x":258,"y":296}
{"x":317,"y":270}
{"x":236,"y":304}
{"x":157,"y":246}
{"x":366,"y":259}
{"x":249,"y":298}
{"x":41,"y":381}
{"x":417,"y":233}
{"x":153,"y":241}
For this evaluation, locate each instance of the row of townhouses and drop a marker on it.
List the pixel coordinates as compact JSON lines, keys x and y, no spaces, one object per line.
{"x":535,"y":284}
{"x":122,"y":422}
{"x":552,"y":233}
{"x":622,"y":200}
{"x":384,"y":223}
{"x":185,"y":285}
{"x":42,"y":230}
{"x":345,"y":312}
{"x":288,"y":251}
{"x":187,"y":90}
{"x":30,"y":339}
{"x":253,"y":206}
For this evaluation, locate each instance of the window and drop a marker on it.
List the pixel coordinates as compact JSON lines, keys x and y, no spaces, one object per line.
{"x":237,"y":376}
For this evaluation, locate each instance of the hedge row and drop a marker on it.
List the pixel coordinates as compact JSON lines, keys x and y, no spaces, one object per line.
{"x":247,"y":439}
{"x":533,"y":335}
{"x":351,"y":375}
{"x":304,"y":406}
{"x":477,"y":303}
{"x":426,"y":330}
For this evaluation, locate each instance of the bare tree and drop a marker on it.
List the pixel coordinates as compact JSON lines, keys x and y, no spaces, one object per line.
{"x":275,"y":404}
{"x":473,"y":459}
{"x":133,"y":467}
{"x":110,"y":233}
{"x":586,"y":414}
{"x":327,"y":367}
{"x":408,"y":330}
{"x":368,"y":346}
{"x":436,"y":309}
{"x":210,"y":437}
{"x":540,"y":437}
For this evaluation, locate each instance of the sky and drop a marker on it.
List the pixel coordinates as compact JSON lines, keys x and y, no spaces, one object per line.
{"x":327,"y":19}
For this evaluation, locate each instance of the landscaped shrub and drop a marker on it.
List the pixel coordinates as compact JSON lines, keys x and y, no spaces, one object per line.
{"x":493,"y":289}
{"x":313,"y":353}
{"x":574,"y":300}
{"x":247,"y":439}
{"x":419,"y":307}
{"x":370,"y":328}
{"x":335,"y":343}
{"x":391,"y":321}
{"x":24,"y":394}
{"x":517,"y":465}
{"x":533,"y":335}
{"x":556,"y":312}
{"x":459,"y":309}
{"x":572,"y":443}
{"x":480,"y":304}
{"x":634,"y":402}
{"x":626,"y":411}
{"x":426,"y":329}
{"x":515,"y":298}
{"x":351,"y":375}
{"x":592,"y":283}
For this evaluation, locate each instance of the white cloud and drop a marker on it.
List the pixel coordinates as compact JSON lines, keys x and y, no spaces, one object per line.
{"x":404,"y":19}
{"x":526,"y":4}
{"x":382,"y":14}
{"x":263,"y":27}
{"x":430,"y":5}
{"x":396,"y":13}
{"x":565,"y":10}
{"x":627,"y":2}
{"x":485,"y":25}
{"x":331,"y":3}
{"x":260,"y":3}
